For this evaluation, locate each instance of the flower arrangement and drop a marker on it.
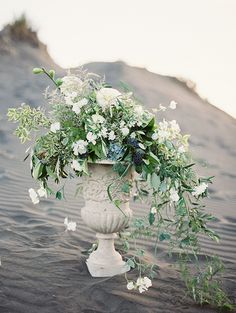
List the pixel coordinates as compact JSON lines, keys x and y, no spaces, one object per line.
{"x":89,"y":121}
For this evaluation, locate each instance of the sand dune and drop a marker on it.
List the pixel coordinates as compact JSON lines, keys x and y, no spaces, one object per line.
{"x":43,"y":268}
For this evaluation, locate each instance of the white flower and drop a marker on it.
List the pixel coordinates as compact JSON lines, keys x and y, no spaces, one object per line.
{"x":163,"y":135}
{"x":70,"y":98}
{"x":122,"y":124}
{"x":153,"y":210}
{"x":98,"y":119}
{"x":111,"y":135}
{"x":78,"y":105}
{"x":181,"y":149}
{"x":174,"y":126}
{"x":154,"y":110}
{"x":143,"y":284}
{"x":69,"y":225}
{"x":125,"y":131}
{"x":154,"y":136}
{"x":172,"y":105}
{"x":107,"y":97}
{"x":55,"y":127}
{"x":174,"y":195}
{"x":34,"y":196}
{"x":76,"y":108}
{"x":79,"y":147}
{"x":162,"y":108}
{"x":70,"y":84}
{"x":130,"y":285}
{"x":198,"y":190}
{"x":138,"y":110}
{"x":42,"y":192}
{"x":76,"y":166}
{"x":91,"y":138}
{"x":104,"y":132}
{"x":133,"y":135}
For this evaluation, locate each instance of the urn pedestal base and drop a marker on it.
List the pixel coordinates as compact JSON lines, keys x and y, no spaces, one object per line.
{"x":106,"y":261}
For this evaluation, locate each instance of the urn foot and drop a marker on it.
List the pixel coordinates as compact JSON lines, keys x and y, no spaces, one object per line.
{"x":106,"y":261}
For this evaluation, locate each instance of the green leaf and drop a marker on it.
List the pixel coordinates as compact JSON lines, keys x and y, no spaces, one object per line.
{"x":151,"y":218}
{"x":59,"y":195}
{"x":164,"y":236}
{"x":155,"y":181}
{"x":130,"y":263}
{"x":38,"y":170}
{"x":154,"y":157}
{"x":51,"y":74}
{"x":125,"y":187}
{"x":190,"y":165}
{"x":38,"y":70}
{"x":59,"y":82}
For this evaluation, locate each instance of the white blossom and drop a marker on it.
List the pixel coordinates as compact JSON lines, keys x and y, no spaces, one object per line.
{"x":130,"y":285}
{"x":162,"y":108}
{"x":181,"y":149}
{"x":70,"y":84}
{"x":153,"y":210}
{"x":91,"y":138}
{"x":107,"y":97}
{"x":104,"y":132}
{"x":143,"y":284}
{"x":70,"y":98}
{"x":111,"y":135}
{"x":98,"y":119}
{"x":163,"y":134}
{"x":198,"y":190}
{"x":55,"y":127}
{"x":174,"y":195}
{"x":172,"y":105}
{"x":174,"y":126}
{"x":80,"y":147}
{"x":76,"y":166}
{"x":138,"y":110}
{"x":69,"y":225}
{"x":42,"y":192}
{"x":125,"y":131}
{"x":154,"y":136}
{"x":34,"y":196}
{"x":78,"y":105}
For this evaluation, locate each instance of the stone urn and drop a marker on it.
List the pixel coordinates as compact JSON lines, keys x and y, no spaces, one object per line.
{"x":103,"y":217}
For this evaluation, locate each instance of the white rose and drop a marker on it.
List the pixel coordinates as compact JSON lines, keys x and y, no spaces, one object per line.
{"x":125,"y":131}
{"x":107,"y":97}
{"x":70,"y":84}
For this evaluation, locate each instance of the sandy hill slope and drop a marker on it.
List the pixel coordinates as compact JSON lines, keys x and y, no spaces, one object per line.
{"x":42,"y":266}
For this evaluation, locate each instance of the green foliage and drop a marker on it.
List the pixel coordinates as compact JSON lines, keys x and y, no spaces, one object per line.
{"x":131,"y":137}
{"x":29,"y":119}
{"x":205,"y":287}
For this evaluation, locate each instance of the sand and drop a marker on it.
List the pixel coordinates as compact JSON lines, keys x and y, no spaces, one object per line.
{"x":43,"y":267}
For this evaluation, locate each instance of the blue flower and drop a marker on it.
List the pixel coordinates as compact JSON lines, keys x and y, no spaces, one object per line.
{"x":115,"y":152}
